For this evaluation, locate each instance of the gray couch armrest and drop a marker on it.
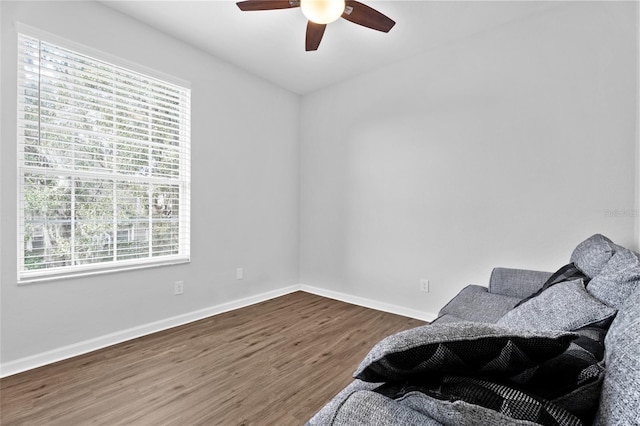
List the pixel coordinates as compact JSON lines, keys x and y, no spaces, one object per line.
{"x":328,"y":412}
{"x":366,"y":408}
{"x":518,"y":283}
{"x":475,"y":303}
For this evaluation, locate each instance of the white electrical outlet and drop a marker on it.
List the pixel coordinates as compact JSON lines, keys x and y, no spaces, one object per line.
{"x":178,"y":287}
{"x":424,"y":285}
{"x":239,"y":274}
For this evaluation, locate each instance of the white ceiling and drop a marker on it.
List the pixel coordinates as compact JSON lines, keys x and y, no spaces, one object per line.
{"x":270,"y":44}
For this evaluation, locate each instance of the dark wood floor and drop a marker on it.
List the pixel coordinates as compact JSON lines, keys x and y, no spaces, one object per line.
{"x":274,"y":363}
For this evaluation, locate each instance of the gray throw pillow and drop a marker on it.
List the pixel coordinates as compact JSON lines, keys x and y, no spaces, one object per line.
{"x":564,"y":306}
{"x":618,"y":279}
{"x":591,"y":255}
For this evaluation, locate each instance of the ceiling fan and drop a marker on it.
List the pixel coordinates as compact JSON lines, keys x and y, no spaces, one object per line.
{"x":322,"y":12}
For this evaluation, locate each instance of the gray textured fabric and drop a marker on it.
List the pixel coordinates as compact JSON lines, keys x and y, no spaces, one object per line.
{"x":474,"y":303}
{"x":564,"y":306}
{"x":618,"y":279}
{"x":327,"y":413}
{"x":457,"y":413}
{"x":519,"y":283}
{"x":591,"y":255}
{"x":447,"y":318}
{"x":366,"y":408}
{"x":447,"y":332}
{"x":620,"y":398}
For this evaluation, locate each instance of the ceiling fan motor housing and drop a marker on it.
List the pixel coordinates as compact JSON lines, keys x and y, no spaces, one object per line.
{"x":326,"y":11}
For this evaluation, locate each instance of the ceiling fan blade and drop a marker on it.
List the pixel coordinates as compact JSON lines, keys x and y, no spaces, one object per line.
{"x":366,"y":16}
{"x":267,"y":4}
{"x":314,"y":35}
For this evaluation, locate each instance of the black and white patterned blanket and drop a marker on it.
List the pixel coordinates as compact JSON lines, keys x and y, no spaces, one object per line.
{"x":538,"y":379}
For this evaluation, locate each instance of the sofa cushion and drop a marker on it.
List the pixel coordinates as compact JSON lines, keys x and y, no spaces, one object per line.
{"x":474,"y":303}
{"x":564,"y":306}
{"x":619,"y":278}
{"x":620,"y":397}
{"x":591,"y":255}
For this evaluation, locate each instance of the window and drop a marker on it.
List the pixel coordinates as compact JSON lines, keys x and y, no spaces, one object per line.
{"x":104,"y":165}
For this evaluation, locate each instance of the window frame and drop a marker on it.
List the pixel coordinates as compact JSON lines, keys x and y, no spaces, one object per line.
{"x":183,"y":182}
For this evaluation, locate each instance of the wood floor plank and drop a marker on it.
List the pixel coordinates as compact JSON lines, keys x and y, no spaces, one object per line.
{"x":276,"y":362}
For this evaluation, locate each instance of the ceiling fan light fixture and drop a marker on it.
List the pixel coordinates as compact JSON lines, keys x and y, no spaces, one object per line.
{"x":322,"y":11}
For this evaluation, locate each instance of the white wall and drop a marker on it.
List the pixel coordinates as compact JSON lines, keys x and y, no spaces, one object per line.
{"x":244,"y":191}
{"x":503,"y":149}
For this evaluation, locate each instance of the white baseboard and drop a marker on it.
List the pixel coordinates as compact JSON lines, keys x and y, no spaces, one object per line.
{"x":80,"y":348}
{"x":70,"y":351}
{"x":369,"y":303}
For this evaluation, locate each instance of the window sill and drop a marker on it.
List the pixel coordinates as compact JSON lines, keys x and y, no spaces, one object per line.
{"x":47,"y":276}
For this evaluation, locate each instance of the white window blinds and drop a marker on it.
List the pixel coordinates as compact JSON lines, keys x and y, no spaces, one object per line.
{"x":104,"y":165}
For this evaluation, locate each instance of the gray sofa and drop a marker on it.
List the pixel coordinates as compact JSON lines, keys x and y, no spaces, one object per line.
{"x":531,"y":348}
